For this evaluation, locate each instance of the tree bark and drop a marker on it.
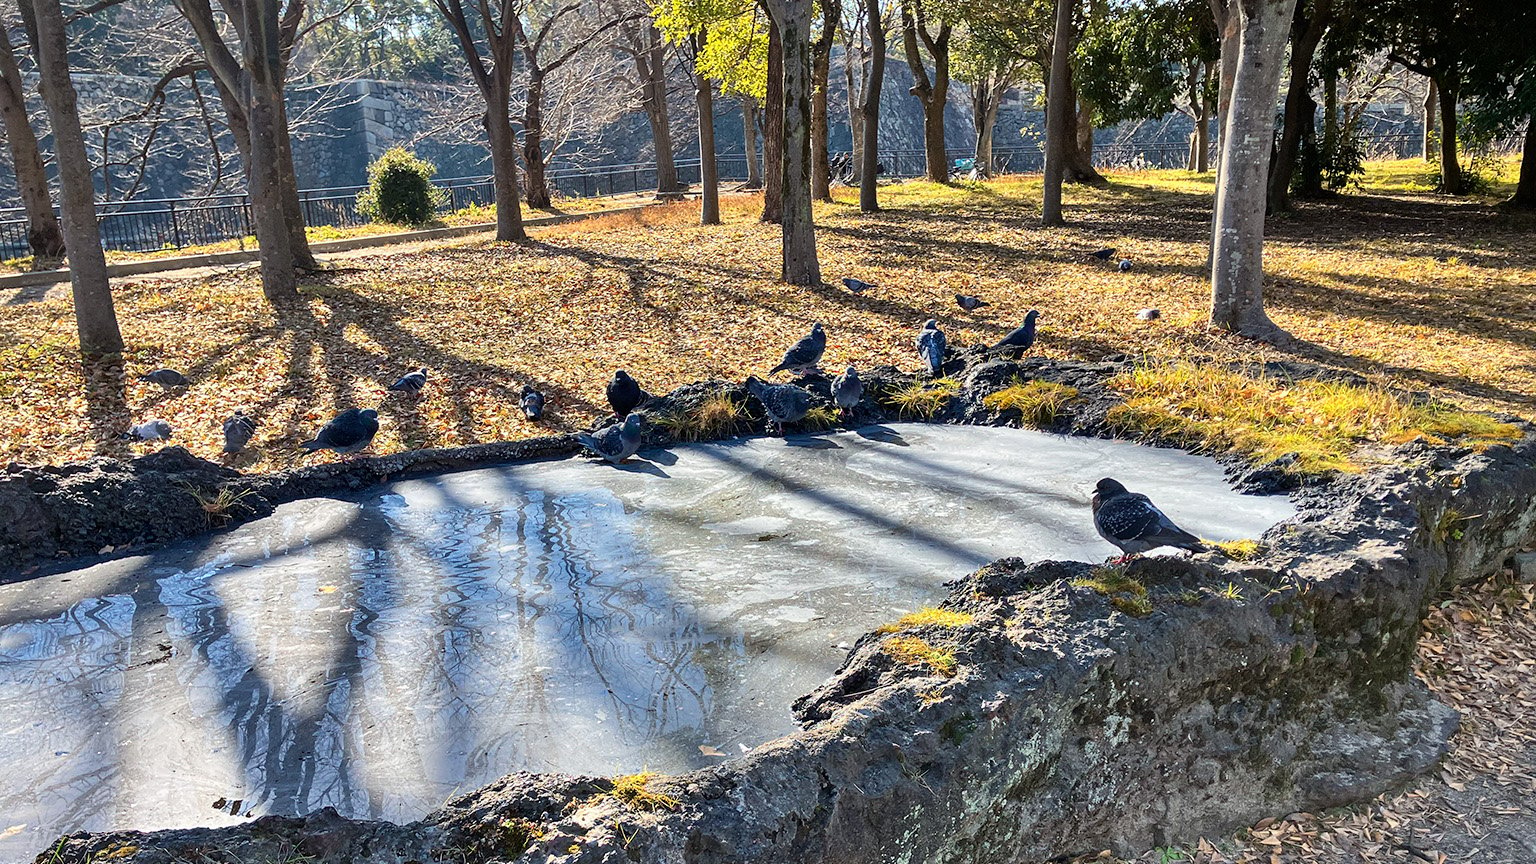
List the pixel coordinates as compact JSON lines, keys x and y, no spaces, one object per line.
{"x":535,"y":186}
{"x":749,"y":130}
{"x":773,"y":131}
{"x":498,"y":130}
{"x":1058,"y":115}
{"x":1078,"y":161}
{"x":651,"y":65}
{"x":1451,"y":180}
{"x":709,"y":174}
{"x":1525,"y":190}
{"x":986,"y":97}
{"x":1307,"y":29}
{"x":792,"y":18}
{"x":869,"y":112}
{"x":95,"y":314}
{"x":855,"y":108}
{"x":933,"y":93}
{"x":1431,"y":105}
{"x":293,"y":209}
{"x":44,"y":236}
{"x":1227,"y":25}
{"x":1237,"y":249}
{"x":264,"y":88}
{"x":821,"y":71}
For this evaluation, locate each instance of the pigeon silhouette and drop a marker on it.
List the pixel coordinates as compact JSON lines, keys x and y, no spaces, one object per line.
{"x":1022,"y":337}
{"x":858,"y":286}
{"x":969,"y":303}
{"x":410,"y":383}
{"x":802,"y":357}
{"x":1130,"y":521}
{"x":166,"y":378}
{"x":1103,"y":254}
{"x":149,"y":430}
{"x":532,"y":403}
{"x":784,"y":403}
{"x":614,"y":443}
{"x":624,"y":394}
{"x":848,"y":390}
{"x":238,"y":430}
{"x":931,"y":344}
{"x":347,"y":433}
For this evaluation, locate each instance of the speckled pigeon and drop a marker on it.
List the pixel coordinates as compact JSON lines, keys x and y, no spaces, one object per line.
{"x":848,"y":389}
{"x":858,"y":286}
{"x":350,"y":431}
{"x":803,"y":356}
{"x":931,"y":343}
{"x":784,"y":403}
{"x":624,"y":394}
{"x":614,"y":443}
{"x":166,"y":378}
{"x":238,"y":430}
{"x":410,"y":383}
{"x":1148,"y":314}
{"x":1103,"y":254}
{"x":1132,"y":522}
{"x":149,"y":430}
{"x":532,"y":403}
{"x":1125,"y":265}
{"x":969,"y":303}
{"x":1023,"y":336}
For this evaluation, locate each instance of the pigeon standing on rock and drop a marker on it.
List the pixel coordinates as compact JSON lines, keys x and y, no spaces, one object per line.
{"x":238,"y":430}
{"x":968,"y":303}
{"x":532,"y":403}
{"x":1023,"y":336}
{"x":166,"y":378}
{"x":931,"y":343}
{"x":149,"y":430}
{"x":1103,"y":254}
{"x":858,"y":286}
{"x":1132,"y":522}
{"x":350,"y":431}
{"x":624,"y":394}
{"x":784,"y":403}
{"x":802,"y":357}
{"x":411,"y":383}
{"x":614,"y":443}
{"x":848,"y":390}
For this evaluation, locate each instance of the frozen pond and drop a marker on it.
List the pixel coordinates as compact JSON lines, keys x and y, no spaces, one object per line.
{"x":380,"y":654}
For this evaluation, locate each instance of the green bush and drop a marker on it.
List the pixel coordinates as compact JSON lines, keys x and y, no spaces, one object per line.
{"x":400,"y":189}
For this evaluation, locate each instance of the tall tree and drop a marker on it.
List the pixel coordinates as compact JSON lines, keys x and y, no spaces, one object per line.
{"x":792,"y":22}
{"x":1237,"y":249}
{"x":1311,"y":21}
{"x":932,"y":93}
{"x":689,"y":25}
{"x":989,"y":74}
{"x":647,"y":49}
{"x":821,"y":71}
{"x":95,"y":314}
{"x":44,"y":236}
{"x":869,"y":111}
{"x":1059,"y":106}
{"x":773,"y":127}
{"x":1500,"y":85}
{"x":487,"y":40}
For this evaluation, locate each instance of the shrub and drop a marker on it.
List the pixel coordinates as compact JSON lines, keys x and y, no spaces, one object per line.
{"x":400,"y":189}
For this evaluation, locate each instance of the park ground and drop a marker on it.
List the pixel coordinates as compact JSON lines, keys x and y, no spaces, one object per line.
{"x":1389,"y":281}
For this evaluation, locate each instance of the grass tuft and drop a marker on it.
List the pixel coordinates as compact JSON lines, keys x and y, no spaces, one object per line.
{"x":820,"y":417}
{"x":217,"y":506}
{"x":928,"y":616}
{"x":718,"y":416}
{"x":924,"y":399}
{"x":1125,"y":592}
{"x":1039,"y":403}
{"x":634,"y":790}
{"x":917,"y":651}
{"x":1238,"y":550}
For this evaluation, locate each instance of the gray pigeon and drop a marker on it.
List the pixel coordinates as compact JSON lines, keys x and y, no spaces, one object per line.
{"x":1132,"y":522}
{"x":858,"y":286}
{"x":803,"y":356}
{"x":1149,"y":314}
{"x":410,"y":383}
{"x":166,"y":378}
{"x":848,"y":389}
{"x":532,"y":403}
{"x":1125,"y":265}
{"x":350,"y":431}
{"x":238,"y":430}
{"x":149,"y":430}
{"x":1023,"y":336}
{"x":969,"y":303}
{"x":931,"y":343}
{"x":614,"y":443}
{"x":1103,"y":254}
{"x":784,"y":403}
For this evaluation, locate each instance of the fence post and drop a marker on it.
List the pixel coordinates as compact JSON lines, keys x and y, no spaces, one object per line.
{"x":175,"y":227}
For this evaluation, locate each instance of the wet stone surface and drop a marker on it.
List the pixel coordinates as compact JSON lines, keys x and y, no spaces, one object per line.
{"x":380,"y":654}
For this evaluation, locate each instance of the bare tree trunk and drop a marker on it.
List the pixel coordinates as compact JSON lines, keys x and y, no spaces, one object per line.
{"x":869,"y":112}
{"x":709,"y":174}
{"x":498,"y":129}
{"x":293,"y":209}
{"x":1084,"y":130}
{"x":821,"y":71}
{"x":986,"y":97}
{"x":95,"y":314}
{"x":1227,"y":25}
{"x":1203,"y":128}
{"x":1058,"y":115}
{"x":1237,"y":249}
{"x":262,"y":60}
{"x":1431,"y":105}
{"x":773,"y":131}
{"x":44,"y":236}
{"x":1451,"y":180}
{"x":932,"y":94}
{"x":855,"y":108}
{"x":1306,"y":33}
{"x":793,"y":21}
{"x":1525,"y":190}
{"x":535,"y":186}
{"x":749,"y":128}
{"x":1078,"y":161}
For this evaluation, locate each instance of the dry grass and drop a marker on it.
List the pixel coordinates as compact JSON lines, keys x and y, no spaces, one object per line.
{"x":928,"y":616}
{"x":923,"y":399}
{"x":634,"y":790}
{"x":1039,"y":403}
{"x":719,"y":416}
{"x":1238,"y":550}
{"x":916,"y":651}
{"x":1125,"y":592}
{"x":1360,"y":279}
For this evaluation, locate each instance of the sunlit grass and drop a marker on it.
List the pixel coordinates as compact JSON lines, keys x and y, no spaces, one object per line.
{"x":923,"y":399}
{"x":913,"y":650}
{"x":718,"y":416}
{"x":928,"y":616}
{"x":1039,"y":403}
{"x":634,"y":790}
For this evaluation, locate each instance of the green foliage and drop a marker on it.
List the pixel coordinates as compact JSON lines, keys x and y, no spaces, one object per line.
{"x":733,"y":36}
{"x":400,"y":189}
{"x":1132,"y":60}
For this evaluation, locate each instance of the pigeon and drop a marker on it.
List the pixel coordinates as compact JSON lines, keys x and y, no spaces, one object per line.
{"x":1125,"y":265}
{"x":624,"y":395}
{"x":350,"y":431}
{"x":238,"y":430}
{"x":805,"y":354}
{"x":970,"y":304}
{"x":785,"y":403}
{"x":166,"y":378}
{"x":532,"y":403}
{"x":411,"y":382}
{"x":858,"y":286}
{"x":1132,"y":522}
{"x":614,"y":443}
{"x":1103,"y":254}
{"x":149,"y":430}
{"x":1148,"y":314}
{"x":848,"y":389}
{"x":931,"y":343}
{"x":1023,"y":336}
